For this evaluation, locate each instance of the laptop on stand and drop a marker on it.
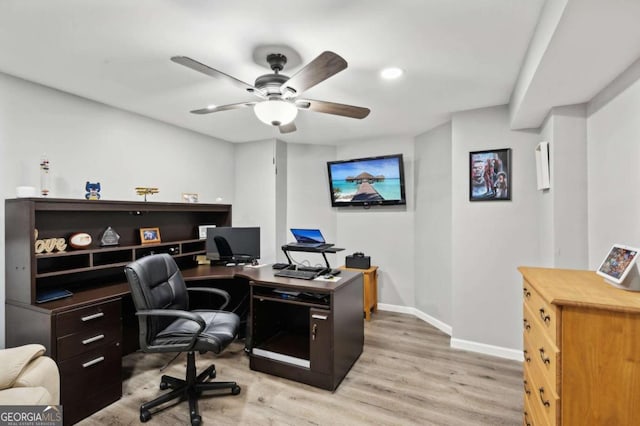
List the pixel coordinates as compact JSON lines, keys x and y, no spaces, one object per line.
{"x":309,"y":238}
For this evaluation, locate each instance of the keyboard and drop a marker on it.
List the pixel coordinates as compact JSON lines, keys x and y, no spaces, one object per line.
{"x":290,"y":273}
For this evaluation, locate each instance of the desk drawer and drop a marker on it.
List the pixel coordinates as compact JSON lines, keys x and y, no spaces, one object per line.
{"x":87,"y":374}
{"x":90,"y":382}
{"x":77,"y":343}
{"x":89,"y":318}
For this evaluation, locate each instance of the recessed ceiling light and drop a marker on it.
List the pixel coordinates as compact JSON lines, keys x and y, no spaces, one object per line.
{"x":391,"y":73}
{"x":212,"y":106}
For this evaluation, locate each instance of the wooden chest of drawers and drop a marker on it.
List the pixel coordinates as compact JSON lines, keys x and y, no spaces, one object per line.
{"x":581,"y":349}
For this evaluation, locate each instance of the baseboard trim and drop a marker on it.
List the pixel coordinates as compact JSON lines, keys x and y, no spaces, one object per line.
{"x":466,"y":345}
{"x":483,"y":348}
{"x":445,"y":328}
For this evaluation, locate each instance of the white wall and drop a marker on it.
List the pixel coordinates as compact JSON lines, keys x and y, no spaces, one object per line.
{"x":85,"y":140}
{"x":432,"y":170}
{"x":568,"y":148}
{"x":255,"y":196}
{"x":386,"y":233}
{"x":613,"y":152}
{"x":309,"y":202}
{"x":544,"y":203}
{"x":491,"y":239}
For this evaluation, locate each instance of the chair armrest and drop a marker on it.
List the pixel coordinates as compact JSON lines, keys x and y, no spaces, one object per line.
{"x":215,"y":291}
{"x":177,"y":314}
{"x":174,"y":313}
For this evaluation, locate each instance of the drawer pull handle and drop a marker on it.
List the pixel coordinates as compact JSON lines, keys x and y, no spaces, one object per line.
{"x":93,"y":362}
{"x":544,"y":359}
{"x":545,"y":403}
{"x":526,"y":419}
{"x":546,"y":318}
{"x":527,"y":326}
{"x":526,"y":389}
{"x":92,"y":317}
{"x":526,"y":356}
{"x":93,"y":339}
{"x":320,"y":317}
{"x":527,"y":293}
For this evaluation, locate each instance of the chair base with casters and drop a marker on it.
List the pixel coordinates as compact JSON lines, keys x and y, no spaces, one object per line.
{"x":190,"y":388}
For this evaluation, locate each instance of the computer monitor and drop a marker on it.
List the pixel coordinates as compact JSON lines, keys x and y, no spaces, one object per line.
{"x":242,"y":243}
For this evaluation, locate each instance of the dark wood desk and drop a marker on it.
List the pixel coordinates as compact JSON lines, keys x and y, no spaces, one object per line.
{"x":107,"y":311}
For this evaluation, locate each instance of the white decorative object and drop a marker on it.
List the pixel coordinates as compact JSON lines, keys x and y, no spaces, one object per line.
{"x":25,"y":191}
{"x":542,"y":165}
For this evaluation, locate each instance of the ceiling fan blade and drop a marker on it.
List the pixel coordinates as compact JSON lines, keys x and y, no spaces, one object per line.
{"x":223,"y":108}
{"x":316,"y":71}
{"x":288,"y":128}
{"x":200,"y":67}
{"x":333,"y":108}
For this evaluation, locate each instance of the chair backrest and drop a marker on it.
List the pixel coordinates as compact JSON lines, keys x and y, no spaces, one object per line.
{"x":156,"y":283}
{"x":224,"y":249}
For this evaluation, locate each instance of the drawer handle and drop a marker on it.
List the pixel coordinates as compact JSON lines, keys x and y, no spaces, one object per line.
{"x":93,"y":339}
{"x":527,"y":326}
{"x":546,"y":360}
{"x":92,"y":317}
{"x":545,"y":403}
{"x":527,"y":293}
{"x":526,"y":389}
{"x":93,"y":362}
{"x":320,"y":317}
{"x":546,"y":318}
{"x":526,"y":419}
{"x":526,"y":356}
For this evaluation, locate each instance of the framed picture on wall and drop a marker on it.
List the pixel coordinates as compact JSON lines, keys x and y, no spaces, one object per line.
{"x":490,"y":175}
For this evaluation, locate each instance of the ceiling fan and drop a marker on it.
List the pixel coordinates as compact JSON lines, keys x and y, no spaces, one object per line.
{"x":279,"y":93}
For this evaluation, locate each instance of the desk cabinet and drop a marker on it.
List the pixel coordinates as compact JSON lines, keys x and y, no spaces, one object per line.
{"x":313,"y":335}
{"x":369,"y":289}
{"x":83,"y":333}
{"x":581,"y":349}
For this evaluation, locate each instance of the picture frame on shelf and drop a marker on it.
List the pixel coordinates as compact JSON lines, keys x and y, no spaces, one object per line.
{"x":149,"y":235}
{"x":490,"y":175}
{"x":189,"y":197}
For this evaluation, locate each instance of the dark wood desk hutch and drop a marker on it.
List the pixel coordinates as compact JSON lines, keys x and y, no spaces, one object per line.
{"x":83,"y":333}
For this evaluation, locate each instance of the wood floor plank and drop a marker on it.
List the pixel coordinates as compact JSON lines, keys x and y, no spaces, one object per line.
{"x":406,"y":375}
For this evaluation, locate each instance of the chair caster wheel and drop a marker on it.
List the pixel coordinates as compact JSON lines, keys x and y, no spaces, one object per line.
{"x":145,"y":416}
{"x":235,"y":390}
{"x":164,"y":385}
{"x":196,"y":421}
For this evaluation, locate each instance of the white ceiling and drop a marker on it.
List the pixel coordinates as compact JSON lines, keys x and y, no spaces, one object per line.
{"x":457,"y":55}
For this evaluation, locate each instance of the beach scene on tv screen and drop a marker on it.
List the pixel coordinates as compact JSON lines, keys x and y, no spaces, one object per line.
{"x":373,"y":180}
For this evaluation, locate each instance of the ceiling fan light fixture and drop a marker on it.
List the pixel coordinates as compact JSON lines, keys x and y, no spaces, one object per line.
{"x":391,"y":73}
{"x":275,"y":112}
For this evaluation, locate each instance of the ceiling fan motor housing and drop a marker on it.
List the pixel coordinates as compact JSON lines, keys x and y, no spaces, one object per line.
{"x":270,"y":83}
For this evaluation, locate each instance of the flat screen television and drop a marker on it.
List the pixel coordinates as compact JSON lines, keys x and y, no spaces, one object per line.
{"x":367,"y":181}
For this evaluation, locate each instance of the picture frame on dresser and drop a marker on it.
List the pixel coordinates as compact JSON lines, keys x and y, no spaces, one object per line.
{"x":490,"y":175}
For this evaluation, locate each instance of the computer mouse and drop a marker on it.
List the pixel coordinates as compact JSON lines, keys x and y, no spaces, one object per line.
{"x":329,"y":276}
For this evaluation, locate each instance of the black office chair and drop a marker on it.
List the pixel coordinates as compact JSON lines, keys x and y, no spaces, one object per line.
{"x":227,"y":254}
{"x":166,"y":325}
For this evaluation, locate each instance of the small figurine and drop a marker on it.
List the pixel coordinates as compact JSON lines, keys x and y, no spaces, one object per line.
{"x":93,"y":191}
{"x":146,"y":190}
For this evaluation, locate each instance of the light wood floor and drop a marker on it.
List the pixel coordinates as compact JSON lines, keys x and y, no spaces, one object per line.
{"x":407,"y":375}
